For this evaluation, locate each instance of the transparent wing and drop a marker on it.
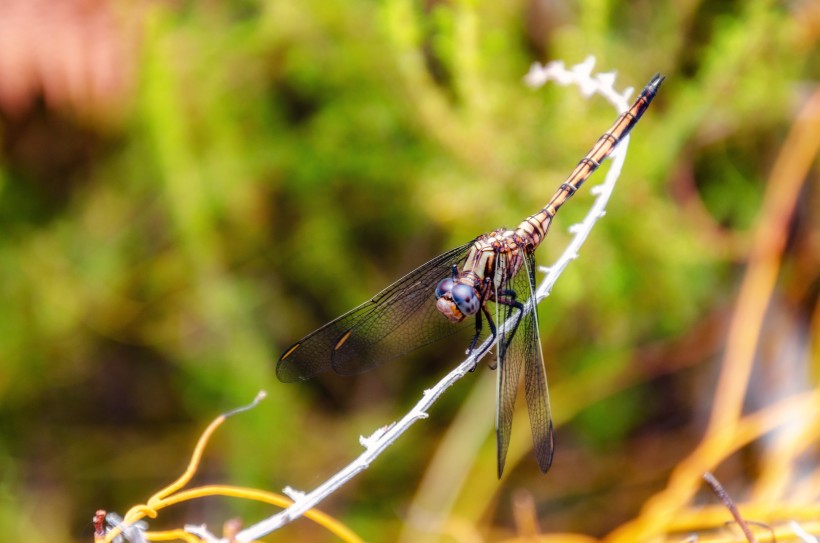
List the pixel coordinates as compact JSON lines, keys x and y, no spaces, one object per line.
{"x":399,"y":319}
{"x":521,"y":348}
{"x":508,"y":320}
{"x":535,"y":376}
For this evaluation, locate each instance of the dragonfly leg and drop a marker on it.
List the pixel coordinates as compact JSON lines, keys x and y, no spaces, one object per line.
{"x":478,"y":323}
{"x":493,"y":334}
{"x":493,"y":362}
{"x":473,"y":342}
{"x":478,"y":328}
{"x":511,"y":301}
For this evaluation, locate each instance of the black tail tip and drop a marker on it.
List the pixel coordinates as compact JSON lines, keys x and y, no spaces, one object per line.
{"x":655,"y":82}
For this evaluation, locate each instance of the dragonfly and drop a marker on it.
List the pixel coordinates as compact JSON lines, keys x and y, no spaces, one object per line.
{"x":489,"y":279}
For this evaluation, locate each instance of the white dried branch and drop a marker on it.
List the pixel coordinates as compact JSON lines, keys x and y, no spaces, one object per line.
{"x":589,"y":83}
{"x":201,"y":531}
{"x":135,"y":533}
{"x":801,"y":533}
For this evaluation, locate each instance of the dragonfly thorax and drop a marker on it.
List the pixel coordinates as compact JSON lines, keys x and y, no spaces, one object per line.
{"x":456,"y":299}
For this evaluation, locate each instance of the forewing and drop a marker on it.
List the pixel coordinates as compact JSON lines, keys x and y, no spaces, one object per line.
{"x":535,"y":374}
{"x":509,"y":364}
{"x":522,"y":348}
{"x":397,"y":320}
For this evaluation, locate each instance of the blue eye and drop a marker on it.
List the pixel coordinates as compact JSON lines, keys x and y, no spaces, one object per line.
{"x":466,"y":299}
{"x":444,"y":286}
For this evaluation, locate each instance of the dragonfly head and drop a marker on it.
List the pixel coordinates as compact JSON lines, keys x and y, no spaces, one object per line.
{"x":456,"y":300}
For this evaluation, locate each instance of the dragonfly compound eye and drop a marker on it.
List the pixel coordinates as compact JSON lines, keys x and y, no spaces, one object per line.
{"x":444,"y":286}
{"x":466,"y":298}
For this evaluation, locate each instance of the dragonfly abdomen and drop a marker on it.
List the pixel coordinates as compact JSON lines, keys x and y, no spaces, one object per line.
{"x":535,"y":227}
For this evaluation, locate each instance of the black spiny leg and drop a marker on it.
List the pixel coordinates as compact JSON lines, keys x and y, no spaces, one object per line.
{"x":493,"y":333}
{"x":511,"y":302}
{"x":478,"y":323}
{"x":475,"y":337}
{"x":478,"y":327}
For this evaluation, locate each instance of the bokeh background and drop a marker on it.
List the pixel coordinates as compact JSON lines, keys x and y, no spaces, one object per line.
{"x":186,"y":188}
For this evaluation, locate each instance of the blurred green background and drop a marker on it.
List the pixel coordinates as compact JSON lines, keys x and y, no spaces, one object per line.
{"x":188,"y":188}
